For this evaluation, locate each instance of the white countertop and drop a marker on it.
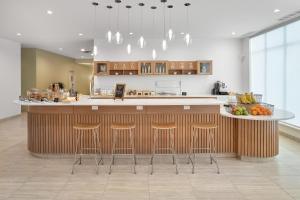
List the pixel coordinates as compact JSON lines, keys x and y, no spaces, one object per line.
{"x":278,"y":114}
{"x":84,"y":101}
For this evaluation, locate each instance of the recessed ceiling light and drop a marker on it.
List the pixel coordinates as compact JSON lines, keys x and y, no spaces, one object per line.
{"x":19,"y":34}
{"x":61,"y":49}
{"x":49,"y":12}
{"x":276,"y":11}
{"x":82,"y":49}
{"x":131,"y":33}
{"x":233,"y":33}
{"x":182,"y":33}
{"x":80,"y":34}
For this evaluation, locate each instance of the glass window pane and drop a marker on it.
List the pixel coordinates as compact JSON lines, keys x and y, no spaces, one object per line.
{"x":293,"y":32}
{"x":275,"y":38}
{"x":275,"y":77}
{"x":257,"y":43}
{"x":257,"y":72}
{"x":292,"y":81}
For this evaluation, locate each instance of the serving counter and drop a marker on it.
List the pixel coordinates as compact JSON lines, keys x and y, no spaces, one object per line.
{"x":50,"y":125}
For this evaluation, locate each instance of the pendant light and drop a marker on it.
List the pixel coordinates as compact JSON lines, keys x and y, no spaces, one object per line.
{"x":118,"y":35}
{"x":164,"y":44}
{"x":154,"y":54}
{"x":109,"y":35}
{"x":187,"y":36}
{"x":141,"y":40}
{"x":170,"y":35}
{"x":128,"y":48}
{"x":95,"y":49}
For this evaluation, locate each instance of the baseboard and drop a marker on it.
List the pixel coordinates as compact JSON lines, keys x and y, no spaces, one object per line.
{"x":289,"y":131}
{"x":11,"y":117}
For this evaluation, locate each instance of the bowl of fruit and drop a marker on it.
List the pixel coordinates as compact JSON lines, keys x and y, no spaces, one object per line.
{"x":262,"y":109}
{"x":239,"y":110}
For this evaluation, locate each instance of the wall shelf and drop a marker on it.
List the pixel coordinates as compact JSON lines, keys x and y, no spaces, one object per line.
{"x":102,"y":68}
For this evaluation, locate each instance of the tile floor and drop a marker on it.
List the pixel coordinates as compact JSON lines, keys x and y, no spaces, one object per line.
{"x":23,"y":176}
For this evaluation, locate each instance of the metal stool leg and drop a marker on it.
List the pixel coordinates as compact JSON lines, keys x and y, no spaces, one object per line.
{"x":214,"y":151}
{"x":172,"y":132}
{"x":101,"y":161}
{"x":132,"y":149}
{"x":192,"y":150}
{"x":95,"y":151}
{"x":81,"y":149}
{"x":75,"y":155}
{"x":113,"y":150}
{"x":153,"y":149}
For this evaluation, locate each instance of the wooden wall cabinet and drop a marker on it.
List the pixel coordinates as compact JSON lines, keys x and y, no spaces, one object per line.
{"x":153,"y":68}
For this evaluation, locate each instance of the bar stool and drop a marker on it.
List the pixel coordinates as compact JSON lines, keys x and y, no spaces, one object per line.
{"x":119,"y":129}
{"x":210,"y":144}
{"x":80,"y":130}
{"x":169,"y":129}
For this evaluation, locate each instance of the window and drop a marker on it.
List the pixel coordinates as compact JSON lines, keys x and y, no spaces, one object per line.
{"x":275,"y":68}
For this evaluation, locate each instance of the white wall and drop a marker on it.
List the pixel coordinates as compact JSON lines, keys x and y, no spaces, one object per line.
{"x":225,"y":53}
{"x":10,"y":77}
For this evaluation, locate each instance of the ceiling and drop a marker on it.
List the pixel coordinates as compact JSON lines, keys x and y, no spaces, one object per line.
{"x":208,"y":18}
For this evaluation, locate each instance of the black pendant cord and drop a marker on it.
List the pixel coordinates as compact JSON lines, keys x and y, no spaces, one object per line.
{"x":128,"y":19}
{"x":170,"y":16}
{"x":109,"y":16}
{"x":187,"y":17}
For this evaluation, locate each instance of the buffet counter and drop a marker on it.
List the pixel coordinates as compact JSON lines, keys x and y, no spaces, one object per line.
{"x":50,"y":125}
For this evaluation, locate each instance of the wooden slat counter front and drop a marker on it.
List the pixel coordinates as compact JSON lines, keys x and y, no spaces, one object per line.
{"x":50,"y":127}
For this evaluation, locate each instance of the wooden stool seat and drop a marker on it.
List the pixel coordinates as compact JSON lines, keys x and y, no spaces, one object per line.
{"x":123,"y":126}
{"x":164,"y":125}
{"x":204,"y":125}
{"x":86,"y":126}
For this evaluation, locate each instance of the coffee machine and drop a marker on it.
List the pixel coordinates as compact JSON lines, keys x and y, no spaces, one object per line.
{"x":220,"y":88}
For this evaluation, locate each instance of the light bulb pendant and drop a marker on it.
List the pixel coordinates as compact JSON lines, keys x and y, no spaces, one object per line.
{"x":187,"y":39}
{"x":141,"y":42}
{"x":170,"y":35}
{"x":154,"y":54}
{"x":129,"y":48}
{"x":119,"y":38}
{"x":95,"y":50}
{"x":109,"y":36}
{"x":164,"y":45}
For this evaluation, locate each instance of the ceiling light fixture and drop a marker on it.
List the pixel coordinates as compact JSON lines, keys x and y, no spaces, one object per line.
{"x":109,"y":35}
{"x":233,"y":33}
{"x":154,"y":54}
{"x":80,"y":34}
{"x":118,"y":35}
{"x":82,"y":50}
{"x":171,"y":35}
{"x":164,"y":44}
{"x":187,"y":37}
{"x":128,"y":30}
{"x":141,"y":41}
{"x":276,"y":11}
{"x":19,"y":34}
{"x":60,"y":49}
{"x":49,"y":12}
{"x":95,"y":48}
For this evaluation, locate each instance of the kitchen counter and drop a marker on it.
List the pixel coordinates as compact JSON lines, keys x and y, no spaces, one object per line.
{"x":50,"y":125}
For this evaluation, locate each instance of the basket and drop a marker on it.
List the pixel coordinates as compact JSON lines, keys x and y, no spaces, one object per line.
{"x":257,"y":97}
